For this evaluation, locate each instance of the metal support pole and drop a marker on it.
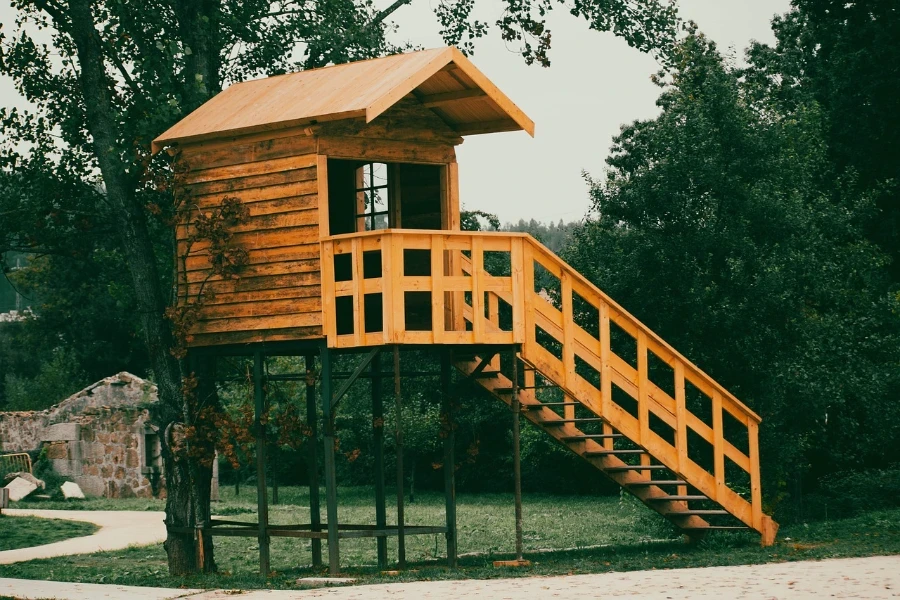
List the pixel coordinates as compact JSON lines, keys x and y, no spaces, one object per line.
{"x":448,"y":424}
{"x":262,"y":495}
{"x":334,"y":557}
{"x":398,"y":407}
{"x":517,"y":463}
{"x":312,"y":421}
{"x":378,"y":435}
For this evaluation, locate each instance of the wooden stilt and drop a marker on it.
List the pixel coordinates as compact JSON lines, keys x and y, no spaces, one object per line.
{"x":262,"y":495}
{"x":449,"y":427}
{"x":334,"y":556}
{"x":398,"y":407}
{"x":378,"y":435}
{"x":312,"y":421}
{"x":517,"y":462}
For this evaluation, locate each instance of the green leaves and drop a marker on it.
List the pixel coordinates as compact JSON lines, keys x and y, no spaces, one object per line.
{"x":725,"y":226}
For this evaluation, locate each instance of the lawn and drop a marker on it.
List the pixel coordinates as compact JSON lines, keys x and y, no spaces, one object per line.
{"x":23,"y":532}
{"x":563,"y":534}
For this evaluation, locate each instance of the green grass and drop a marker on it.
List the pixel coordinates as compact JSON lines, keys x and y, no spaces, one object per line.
{"x":24,"y":532}
{"x":570,"y":527}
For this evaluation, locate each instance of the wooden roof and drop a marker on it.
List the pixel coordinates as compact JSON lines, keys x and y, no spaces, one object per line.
{"x":441,"y":79}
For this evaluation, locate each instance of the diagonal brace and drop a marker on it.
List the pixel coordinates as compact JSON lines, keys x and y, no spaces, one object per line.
{"x":478,"y":369}
{"x":342,"y":391}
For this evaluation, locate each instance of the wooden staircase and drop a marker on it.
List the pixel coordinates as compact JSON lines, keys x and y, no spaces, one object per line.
{"x":574,"y":425}
{"x":624,"y":400}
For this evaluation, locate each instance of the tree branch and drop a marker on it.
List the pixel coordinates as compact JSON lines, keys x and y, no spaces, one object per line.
{"x":384,"y":14}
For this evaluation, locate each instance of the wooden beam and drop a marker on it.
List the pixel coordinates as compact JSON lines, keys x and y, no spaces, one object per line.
{"x":378,"y":435}
{"x":477,"y":127}
{"x":262,"y":495}
{"x":312,"y":418}
{"x":434,"y":100}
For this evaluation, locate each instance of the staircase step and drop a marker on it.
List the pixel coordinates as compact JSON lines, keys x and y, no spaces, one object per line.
{"x":659,"y":482}
{"x":560,"y":422}
{"x":635,"y":468}
{"x":593,"y":453}
{"x":688,"y":513}
{"x":676,"y":498}
{"x":718,"y":528}
{"x":592,"y":436}
{"x":485,"y":375}
{"x":508,"y":390}
{"x":548,"y":404}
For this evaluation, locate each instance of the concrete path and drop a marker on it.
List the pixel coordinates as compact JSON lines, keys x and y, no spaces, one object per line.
{"x":118,"y":529}
{"x":873,"y":578}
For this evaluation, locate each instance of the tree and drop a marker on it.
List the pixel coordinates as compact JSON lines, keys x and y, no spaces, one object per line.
{"x":107,"y":76}
{"x":725,"y":226}
{"x":844,"y":57}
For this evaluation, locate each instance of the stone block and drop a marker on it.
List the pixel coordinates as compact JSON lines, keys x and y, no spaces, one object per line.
{"x":20,"y":488}
{"x":71,"y":490}
{"x":132,"y":459}
{"x":57,"y":450}
{"x":63,"y":467}
{"x":91,"y":486}
{"x":62,"y":432}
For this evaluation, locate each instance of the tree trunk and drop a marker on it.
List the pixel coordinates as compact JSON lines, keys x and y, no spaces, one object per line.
{"x":138,"y":250}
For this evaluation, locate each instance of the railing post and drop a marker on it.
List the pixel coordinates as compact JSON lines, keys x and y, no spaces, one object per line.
{"x":437,"y":288}
{"x":328,"y":312}
{"x":517,"y":274}
{"x":605,"y":369}
{"x":359,"y":315}
{"x":528,"y":296}
{"x":568,"y":323}
{"x":397,"y":300}
{"x":755,"y":486}
{"x":680,"y":418}
{"x":718,"y":443}
{"x":643,"y":386}
{"x":477,"y":289}
{"x":387,"y":288}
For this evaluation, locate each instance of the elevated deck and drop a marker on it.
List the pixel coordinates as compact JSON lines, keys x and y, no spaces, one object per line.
{"x":634,"y":407}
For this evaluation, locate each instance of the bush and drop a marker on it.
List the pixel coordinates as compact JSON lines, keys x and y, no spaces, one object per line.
{"x":849,"y":493}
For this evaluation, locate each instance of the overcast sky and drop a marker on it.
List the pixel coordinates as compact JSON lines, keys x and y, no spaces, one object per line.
{"x":595,"y":84}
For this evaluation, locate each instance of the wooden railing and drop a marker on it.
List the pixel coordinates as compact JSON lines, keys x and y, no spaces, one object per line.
{"x":479,"y":288}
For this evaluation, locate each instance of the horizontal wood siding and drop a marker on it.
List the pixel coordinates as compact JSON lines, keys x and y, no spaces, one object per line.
{"x":276,"y":295}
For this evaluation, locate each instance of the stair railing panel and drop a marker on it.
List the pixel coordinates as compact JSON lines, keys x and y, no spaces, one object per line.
{"x":345,"y":289}
{"x":559,"y":323}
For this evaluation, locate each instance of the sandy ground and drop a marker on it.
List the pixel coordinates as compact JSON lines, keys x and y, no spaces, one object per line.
{"x":118,"y":529}
{"x":872,"y":578}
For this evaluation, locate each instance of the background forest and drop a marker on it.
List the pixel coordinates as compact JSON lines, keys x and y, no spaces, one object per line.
{"x":754,"y":224}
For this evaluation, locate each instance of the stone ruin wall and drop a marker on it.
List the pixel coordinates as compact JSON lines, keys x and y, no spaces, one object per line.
{"x":96,"y":437}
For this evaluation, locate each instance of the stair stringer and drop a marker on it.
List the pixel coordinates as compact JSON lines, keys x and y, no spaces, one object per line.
{"x":645,"y":494}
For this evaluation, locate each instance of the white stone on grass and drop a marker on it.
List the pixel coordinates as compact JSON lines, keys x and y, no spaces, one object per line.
{"x":71,"y":490}
{"x":20,"y":488}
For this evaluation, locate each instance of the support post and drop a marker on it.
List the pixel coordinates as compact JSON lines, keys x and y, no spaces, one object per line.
{"x":334,"y":557}
{"x":448,"y":423}
{"x":398,"y":407}
{"x":262,"y":495}
{"x":378,"y":435}
{"x":517,"y":463}
{"x":312,"y":421}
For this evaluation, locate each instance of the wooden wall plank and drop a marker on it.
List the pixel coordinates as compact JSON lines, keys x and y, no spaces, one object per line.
{"x":247,"y":169}
{"x":250,"y":182}
{"x":208,"y":156}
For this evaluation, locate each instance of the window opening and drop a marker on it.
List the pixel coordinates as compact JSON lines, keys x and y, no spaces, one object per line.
{"x":372,"y":197}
